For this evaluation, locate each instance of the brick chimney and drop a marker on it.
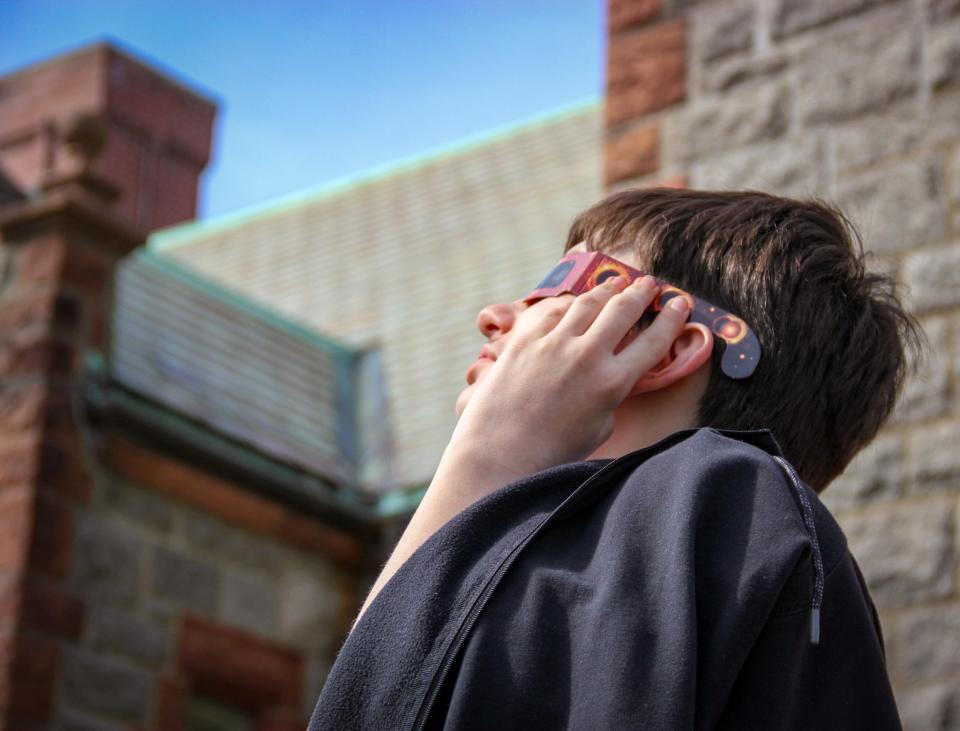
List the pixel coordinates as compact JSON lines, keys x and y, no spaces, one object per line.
{"x":158,"y":131}
{"x":95,"y":150}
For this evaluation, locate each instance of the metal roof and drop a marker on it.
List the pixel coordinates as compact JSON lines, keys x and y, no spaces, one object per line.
{"x":401,"y":257}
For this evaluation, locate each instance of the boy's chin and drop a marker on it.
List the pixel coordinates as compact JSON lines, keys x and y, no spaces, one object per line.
{"x":463,"y":398}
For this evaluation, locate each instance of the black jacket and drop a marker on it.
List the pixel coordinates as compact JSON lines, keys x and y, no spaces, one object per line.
{"x":695,"y":584}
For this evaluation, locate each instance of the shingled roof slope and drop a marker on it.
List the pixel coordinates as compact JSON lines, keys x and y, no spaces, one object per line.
{"x":240,"y":370}
{"x":404,"y":257}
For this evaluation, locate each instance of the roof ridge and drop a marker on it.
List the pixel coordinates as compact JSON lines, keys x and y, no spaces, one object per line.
{"x":178,"y":234}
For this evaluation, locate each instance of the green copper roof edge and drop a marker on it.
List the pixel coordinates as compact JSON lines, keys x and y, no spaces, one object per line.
{"x":244,"y":304}
{"x":401,"y":502}
{"x":179,"y":234}
{"x":101,"y":390}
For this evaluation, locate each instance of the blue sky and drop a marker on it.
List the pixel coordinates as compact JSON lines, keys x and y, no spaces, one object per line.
{"x":312,"y":91}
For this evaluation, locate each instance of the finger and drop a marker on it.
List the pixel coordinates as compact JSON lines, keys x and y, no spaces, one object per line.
{"x":654,"y":343}
{"x":622,"y":312}
{"x":548,"y":319}
{"x":587,"y":306}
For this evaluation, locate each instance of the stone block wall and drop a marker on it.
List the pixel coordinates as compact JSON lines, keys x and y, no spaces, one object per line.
{"x":183,"y":603}
{"x":855,"y":101}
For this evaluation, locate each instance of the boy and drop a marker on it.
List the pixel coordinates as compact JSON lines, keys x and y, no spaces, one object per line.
{"x":613,"y":538}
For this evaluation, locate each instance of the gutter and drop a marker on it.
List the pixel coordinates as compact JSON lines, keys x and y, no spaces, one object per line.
{"x":109,"y":402}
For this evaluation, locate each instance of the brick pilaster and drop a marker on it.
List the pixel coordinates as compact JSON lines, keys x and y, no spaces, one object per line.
{"x":646,"y":74}
{"x":59,"y":249}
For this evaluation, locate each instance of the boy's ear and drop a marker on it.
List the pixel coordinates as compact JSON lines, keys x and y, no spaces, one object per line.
{"x":689,"y":352}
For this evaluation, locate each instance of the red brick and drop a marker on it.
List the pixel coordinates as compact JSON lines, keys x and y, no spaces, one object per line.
{"x":170,"y":704}
{"x":41,"y":261}
{"x":35,"y":353}
{"x":632,"y":154}
{"x":237,"y":667}
{"x":19,"y":457}
{"x":150,"y":118}
{"x":16,"y":520}
{"x":62,"y":470}
{"x":622,"y":14}
{"x":11,"y":595}
{"x":676,"y":181}
{"x":87,"y":270}
{"x":34,"y":676}
{"x":51,"y":610}
{"x":646,"y":71}
{"x":22,"y":405}
{"x":280,"y":720}
{"x":51,"y":545}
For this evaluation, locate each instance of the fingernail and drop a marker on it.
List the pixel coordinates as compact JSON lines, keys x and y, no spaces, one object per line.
{"x":615,"y":281}
{"x":679,"y":304}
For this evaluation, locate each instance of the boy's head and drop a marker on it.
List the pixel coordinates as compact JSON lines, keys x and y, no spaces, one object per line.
{"x":833,"y":335}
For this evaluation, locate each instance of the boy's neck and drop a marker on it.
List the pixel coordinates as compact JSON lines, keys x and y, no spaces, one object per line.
{"x":645,"y":419}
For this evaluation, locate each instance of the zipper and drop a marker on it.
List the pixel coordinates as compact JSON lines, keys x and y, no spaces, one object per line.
{"x":806,"y":510}
{"x":422,"y":713}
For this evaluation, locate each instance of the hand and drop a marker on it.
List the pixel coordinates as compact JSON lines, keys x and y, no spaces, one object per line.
{"x":550,"y":396}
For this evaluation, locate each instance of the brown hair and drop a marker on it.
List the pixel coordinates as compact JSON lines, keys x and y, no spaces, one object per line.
{"x":834,"y":335}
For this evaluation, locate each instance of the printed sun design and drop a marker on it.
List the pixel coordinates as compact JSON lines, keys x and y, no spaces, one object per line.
{"x":607,"y":270}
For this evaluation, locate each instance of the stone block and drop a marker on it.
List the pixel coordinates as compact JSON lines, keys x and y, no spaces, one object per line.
{"x":142,"y":506}
{"x":898,"y":206}
{"x":108,"y":686}
{"x":720,"y":124}
{"x":932,"y":277}
{"x":848,"y":74}
{"x":250,"y":603}
{"x":719,"y":30}
{"x":729,"y":73}
{"x":75,"y":721}
{"x":955,"y":181}
{"x":905,"y":551}
{"x":938,"y":10}
{"x":866,"y":142}
{"x":108,"y":561}
{"x":934,"y":457}
{"x":144,"y":638}
{"x":314,"y":610}
{"x":185,"y":581}
{"x":876,"y":473}
{"x":943,"y":48}
{"x":218,"y":538}
{"x":928,"y":643}
{"x":792,"y":16}
{"x":930,"y":707}
{"x":632,"y":153}
{"x":646,"y":71}
{"x":926,"y":392}
{"x":789,"y":167}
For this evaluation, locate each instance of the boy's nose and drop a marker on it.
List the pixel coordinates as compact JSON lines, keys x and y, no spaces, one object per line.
{"x":497,"y":318}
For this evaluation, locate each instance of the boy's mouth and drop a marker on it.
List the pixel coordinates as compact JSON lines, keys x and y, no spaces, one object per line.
{"x":486,"y":355}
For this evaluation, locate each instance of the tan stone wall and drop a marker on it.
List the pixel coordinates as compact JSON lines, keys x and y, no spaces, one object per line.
{"x":144,"y":564}
{"x":857,"y":101}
